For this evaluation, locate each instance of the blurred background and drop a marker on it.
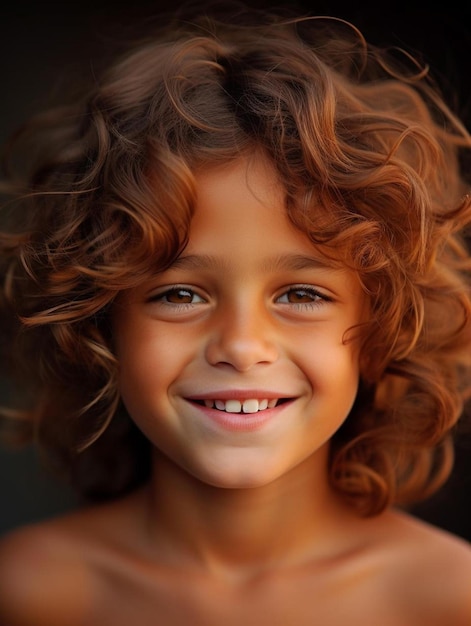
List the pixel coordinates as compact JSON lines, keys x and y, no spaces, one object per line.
{"x":41,"y":43}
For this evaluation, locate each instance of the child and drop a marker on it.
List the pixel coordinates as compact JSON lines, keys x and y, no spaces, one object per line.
{"x":236,"y":287}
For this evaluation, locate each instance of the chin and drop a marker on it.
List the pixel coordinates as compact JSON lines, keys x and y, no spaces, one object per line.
{"x":236,"y":479}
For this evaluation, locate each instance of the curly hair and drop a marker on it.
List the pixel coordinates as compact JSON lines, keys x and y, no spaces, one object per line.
{"x":369,"y":155}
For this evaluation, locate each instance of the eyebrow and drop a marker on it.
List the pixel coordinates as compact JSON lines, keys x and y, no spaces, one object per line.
{"x":289,"y":262}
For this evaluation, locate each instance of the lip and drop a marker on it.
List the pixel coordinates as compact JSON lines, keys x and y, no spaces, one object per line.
{"x":238,"y":394}
{"x":240,"y":422}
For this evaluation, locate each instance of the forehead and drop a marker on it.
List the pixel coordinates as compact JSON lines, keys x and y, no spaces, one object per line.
{"x":247,"y":179}
{"x":243,"y":204}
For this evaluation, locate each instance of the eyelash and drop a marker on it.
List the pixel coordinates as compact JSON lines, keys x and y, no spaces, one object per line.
{"x":317,"y":298}
{"x":160,"y":297}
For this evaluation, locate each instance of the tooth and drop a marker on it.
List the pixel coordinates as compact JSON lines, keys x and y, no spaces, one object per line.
{"x":250,"y":406}
{"x":233,"y":406}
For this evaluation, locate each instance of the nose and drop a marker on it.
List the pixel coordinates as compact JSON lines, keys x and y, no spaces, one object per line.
{"x":242,"y":337}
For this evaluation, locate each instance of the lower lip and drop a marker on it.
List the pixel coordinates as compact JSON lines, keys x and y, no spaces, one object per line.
{"x":241,"y":422}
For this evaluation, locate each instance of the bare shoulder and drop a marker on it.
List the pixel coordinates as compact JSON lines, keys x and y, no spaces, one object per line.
{"x":42,"y":577}
{"x":52,"y":572}
{"x":431,"y":569}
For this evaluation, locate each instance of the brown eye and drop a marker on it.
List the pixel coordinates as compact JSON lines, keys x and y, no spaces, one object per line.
{"x":300,"y":296}
{"x":303,"y":297}
{"x":178,"y":296}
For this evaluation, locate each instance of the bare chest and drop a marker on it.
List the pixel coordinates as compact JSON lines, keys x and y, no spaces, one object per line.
{"x":348,"y":600}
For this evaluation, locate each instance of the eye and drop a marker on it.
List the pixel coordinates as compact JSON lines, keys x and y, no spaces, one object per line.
{"x":302,"y":296}
{"x":177,"y":296}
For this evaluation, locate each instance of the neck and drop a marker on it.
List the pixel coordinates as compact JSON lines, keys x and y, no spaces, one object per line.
{"x":293,"y":518}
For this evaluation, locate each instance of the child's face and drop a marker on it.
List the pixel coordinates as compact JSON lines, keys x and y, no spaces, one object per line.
{"x":249,"y":313}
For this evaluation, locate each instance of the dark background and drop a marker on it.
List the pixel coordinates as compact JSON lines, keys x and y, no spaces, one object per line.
{"x":41,"y":44}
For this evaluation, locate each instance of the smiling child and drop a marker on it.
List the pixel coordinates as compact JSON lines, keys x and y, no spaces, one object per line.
{"x":236,"y":292}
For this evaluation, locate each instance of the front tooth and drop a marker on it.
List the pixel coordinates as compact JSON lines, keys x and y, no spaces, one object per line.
{"x":233,"y":406}
{"x":250,"y":406}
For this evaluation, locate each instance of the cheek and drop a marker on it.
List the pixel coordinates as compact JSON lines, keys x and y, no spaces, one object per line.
{"x":150,"y":359}
{"x":332,"y":369}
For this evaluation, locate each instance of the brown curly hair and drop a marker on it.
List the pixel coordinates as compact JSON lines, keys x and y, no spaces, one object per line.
{"x":108,"y":196}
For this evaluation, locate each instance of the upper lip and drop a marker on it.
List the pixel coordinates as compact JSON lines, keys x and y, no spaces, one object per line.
{"x":239,"y":394}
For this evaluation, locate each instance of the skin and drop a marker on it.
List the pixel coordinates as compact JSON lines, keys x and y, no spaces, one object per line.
{"x":238,"y":523}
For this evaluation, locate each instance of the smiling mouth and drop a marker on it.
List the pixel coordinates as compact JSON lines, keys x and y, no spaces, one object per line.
{"x":250,"y":405}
